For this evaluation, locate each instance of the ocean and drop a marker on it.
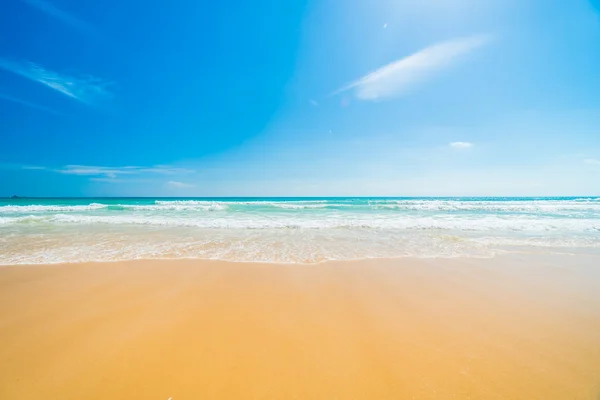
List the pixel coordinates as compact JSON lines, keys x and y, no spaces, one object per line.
{"x":292,"y":230}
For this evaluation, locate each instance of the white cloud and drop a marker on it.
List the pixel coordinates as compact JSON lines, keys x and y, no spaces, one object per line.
{"x":86,"y":170}
{"x":113,"y":172}
{"x":63,"y":16}
{"x":314,"y":103}
{"x":180,"y":185}
{"x":87,"y":89}
{"x":166,"y":169}
{"x":398,"y":77}
{"x":33,"y":167}
{"x":27,"y":104}
{"x":107,"y":180}
{"x":461,"y":145}
{"x":591,"y":161}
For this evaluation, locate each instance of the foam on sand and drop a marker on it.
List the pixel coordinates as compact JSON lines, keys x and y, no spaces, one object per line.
{"x":292,"y":230}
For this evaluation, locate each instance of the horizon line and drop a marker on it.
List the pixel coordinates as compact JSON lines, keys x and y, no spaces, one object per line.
{"x":291,"y":197}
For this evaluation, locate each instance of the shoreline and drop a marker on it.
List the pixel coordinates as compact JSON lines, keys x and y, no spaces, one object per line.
{"x":510,"y":327}
{"x":292,"y":230}
{"x":534,"y":252}
{"x":272,"y":263}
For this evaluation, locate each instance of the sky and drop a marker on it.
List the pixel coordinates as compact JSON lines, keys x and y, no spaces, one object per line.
{"x":300,"y":98}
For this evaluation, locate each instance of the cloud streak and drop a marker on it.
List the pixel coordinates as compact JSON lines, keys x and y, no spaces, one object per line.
{"x":180,"y":185}
{"x":69,"y":19}
{"x":16,"y":100}
{"x":461,"y":145}
{"x":86,"y":89}
{"x":114,"y":172}
{"x":399,"y":77}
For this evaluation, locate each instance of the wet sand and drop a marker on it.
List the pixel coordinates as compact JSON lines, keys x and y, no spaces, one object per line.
{"x":505,"y":328}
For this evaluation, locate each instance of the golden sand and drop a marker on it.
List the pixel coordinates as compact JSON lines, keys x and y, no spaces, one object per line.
{"x":393,"y":329}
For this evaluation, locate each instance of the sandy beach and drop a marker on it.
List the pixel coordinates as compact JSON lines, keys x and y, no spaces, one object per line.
{"x":503,"y":328}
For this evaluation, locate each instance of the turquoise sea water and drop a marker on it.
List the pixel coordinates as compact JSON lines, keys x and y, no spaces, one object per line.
{"x":296,"y":230}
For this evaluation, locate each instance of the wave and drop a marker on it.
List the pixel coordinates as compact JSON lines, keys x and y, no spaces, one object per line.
{"x":450,"y":223}
{"x":253,"y":202}
{"x":183,"y":202}
{"x":53,"y":208}
{"x":11,"y":209}
{"x":170,"y":207}
{"x":572,"y":207}
{"x":292,"y":206}
{"x":577,"y":205}
{"x":238,"y":249}
{"x":284,"y":204}
{"x":522,"y":207}
{"x":279,"y":247}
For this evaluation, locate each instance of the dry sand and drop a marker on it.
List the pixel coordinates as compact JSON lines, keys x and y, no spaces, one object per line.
{"x":506,"y":328}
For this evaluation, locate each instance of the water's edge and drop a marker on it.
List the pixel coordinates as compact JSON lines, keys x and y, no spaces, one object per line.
{"x":292,"y":230}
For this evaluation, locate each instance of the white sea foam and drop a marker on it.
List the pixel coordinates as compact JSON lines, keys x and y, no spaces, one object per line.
{"x":196,"y":206}
{"x":234,"y":246}
{"x":310,"y":230}
{"x":288,"y":246}
{"x":398,"y":222}
{"x":588,"y":242}
{"x":253,"y":202}
{"x":297,"y":206}
{"x":487,"y":206}
{"x":47,"y":208}
{"x":566,"y":207}
{"x":175,"y":207}
{"x":184,"y":202}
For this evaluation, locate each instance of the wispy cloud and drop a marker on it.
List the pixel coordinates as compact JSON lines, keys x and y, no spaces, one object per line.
{"x":591,"y":161}
{"x":114,"y":172}
{"x":87,"y":89}
{"x":33,"y":167}
{"x":16,"y":100}
{"x":107,"y":180}
{"x":314,"y":103}
{"x":180,"y":185}
{"x":398,"y":77}
{"x":461,"y":145}
{"x":86,"y":170}
{"x":61,"y":15}
{"x":126,"y":181}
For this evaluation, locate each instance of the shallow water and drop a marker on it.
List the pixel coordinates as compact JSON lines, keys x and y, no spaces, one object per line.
{"x":295,"y":230}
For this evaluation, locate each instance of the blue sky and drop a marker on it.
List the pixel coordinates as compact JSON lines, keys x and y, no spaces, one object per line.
{"x":300,"y":98}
